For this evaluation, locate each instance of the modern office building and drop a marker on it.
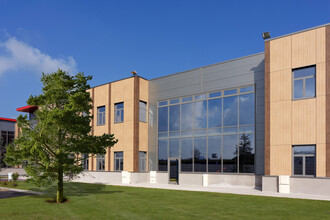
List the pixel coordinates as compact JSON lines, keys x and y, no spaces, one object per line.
{"x":7,"y":131}
{"x":261,"y":121}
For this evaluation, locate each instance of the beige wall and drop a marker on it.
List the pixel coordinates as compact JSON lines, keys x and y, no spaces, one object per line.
{"x":301,"y":121}
{"x":115,"y":92}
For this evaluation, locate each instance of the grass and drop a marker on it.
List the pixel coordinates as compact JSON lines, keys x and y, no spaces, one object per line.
{"x":96,"y":201}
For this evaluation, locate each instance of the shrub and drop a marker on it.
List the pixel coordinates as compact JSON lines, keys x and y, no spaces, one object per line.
{"x":15,"y":176}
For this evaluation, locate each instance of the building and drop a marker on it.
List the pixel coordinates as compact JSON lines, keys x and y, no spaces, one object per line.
{"x":7,"y":131}
{"x":260,"y":121}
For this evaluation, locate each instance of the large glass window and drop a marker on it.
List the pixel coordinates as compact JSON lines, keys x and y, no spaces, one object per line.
{"x":304,"y":82}
{"x":119,"y":112}
{"x":143,"y":111}
{"x":119,"y":161}
{"x":142,"y":161}
{"x":7,"y":137}
{"x":212,"y":132}
{"x":85,"y":161}
{"x":304,"y":160}
{"x":100,"y":162}
{"x":101,"y":115}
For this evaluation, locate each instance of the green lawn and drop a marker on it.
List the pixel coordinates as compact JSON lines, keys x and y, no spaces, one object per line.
{"x":95,"y":201}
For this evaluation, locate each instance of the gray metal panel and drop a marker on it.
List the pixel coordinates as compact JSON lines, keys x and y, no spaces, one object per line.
{"x":239,"y":72}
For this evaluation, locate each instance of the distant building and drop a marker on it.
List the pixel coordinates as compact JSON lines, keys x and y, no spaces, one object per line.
{"x":7,"y":131}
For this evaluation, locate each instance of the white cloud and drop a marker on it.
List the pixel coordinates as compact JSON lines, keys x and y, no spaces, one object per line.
{"x":16,"y":55}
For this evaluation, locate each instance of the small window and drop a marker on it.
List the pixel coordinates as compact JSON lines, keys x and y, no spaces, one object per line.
{"x":119,"y":112}
{"x":143,"y":111}
{"x":162,"y":103}
{"x":214,"y":94}
{"x":101,"y":115}
{"x":187,"y":99}
{"x":304,"y":82}
{"x":174,"y":101}
{"x":100,"y":162}
{"x":304,"y":160}
{"x":119,"y":161}
{"x":85,"y":161}
{"x":230,"y":92}
{"x":200,"y":97}
{"x":246,"y":89}
{"x":142,"y":161}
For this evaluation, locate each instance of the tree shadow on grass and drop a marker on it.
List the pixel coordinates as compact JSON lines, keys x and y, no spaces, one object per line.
{"x":75,"y":189}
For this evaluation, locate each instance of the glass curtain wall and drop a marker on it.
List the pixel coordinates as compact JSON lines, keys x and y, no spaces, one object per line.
{"x":212,"y":132}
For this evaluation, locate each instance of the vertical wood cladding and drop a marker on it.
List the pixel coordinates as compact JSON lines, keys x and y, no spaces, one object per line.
{"x":136,"y":124}
{"x":109,"y":126}
{"x":327,"y":54}
{"x":267,"y":108}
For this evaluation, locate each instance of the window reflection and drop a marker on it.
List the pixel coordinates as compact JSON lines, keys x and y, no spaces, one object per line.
{"x":200,"y":154}
{"x":230,"y":111}
{"x":162,"y":119}
{"x":230,"y":153}
{"x":174,"y":118}
{"x":186,"y":154}
{"x":214,"y":154}
{"x":186,"y":116}
{"x":200,"y":109}
{"x":214,"y":113}
{"x":246,"y":109}
{"x":162,"y":155}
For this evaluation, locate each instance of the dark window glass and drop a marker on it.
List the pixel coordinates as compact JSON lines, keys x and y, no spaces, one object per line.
{"x":143,"y":111}
{"x":142,"y":161}
{"x":186,"y":154}
{"x":186,"y":116}
{"x":246,"y":109}
{"x":230,"y":111}
{"x":246,"y":89}
{"x":304,"y":82}
{"x":246,"y":153}
{"x":162,"y":155}
{"x":214,"y":154}
{"x":174,"y":101}
{"x":162,"y":103}
{"x":214,"y":113}
{"x":187,"y":99}
{"x":230,"y":153}
{"x":119,"y":112}
{"x":215,"y":94}
{"x":100,"y":162}
{"x":163,"y":119}
{"x":200,"y":114}
{"x":119,"y":161}
{"x":200,"y":154}
{"x":174,"y":117}
{"x":298,"y":165}
{"x":174,"y":147}
{"x":101,"y":115}
{"x":230,"y":92}
{"x":310,"y":165}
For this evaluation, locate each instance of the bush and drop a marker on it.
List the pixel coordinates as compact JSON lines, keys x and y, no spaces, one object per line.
{"x":15,"y":176}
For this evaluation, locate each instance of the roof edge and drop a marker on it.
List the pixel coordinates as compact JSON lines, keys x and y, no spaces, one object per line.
{"x":8,"y":119}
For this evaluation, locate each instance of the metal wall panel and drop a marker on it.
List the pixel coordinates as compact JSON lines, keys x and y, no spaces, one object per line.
{"x":239,"y":72}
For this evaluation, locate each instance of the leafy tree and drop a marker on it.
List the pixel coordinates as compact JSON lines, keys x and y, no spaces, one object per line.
{"x":49,"y":144}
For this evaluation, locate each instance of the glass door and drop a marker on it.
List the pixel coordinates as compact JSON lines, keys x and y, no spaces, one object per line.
{"x":174,"y":170}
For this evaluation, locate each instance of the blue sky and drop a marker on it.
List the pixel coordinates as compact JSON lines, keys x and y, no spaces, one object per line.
{"x":108,"y":39}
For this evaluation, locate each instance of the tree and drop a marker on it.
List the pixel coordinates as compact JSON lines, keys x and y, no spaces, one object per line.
{"x":49,"y":144}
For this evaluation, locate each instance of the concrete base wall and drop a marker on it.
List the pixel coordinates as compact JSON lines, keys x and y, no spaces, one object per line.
{"x":99,"y":177}
{"x":140,"y":177}
{"x":270,"y":183}
{"x":162,"y":178}
{"x":224,"y":180}
{"x":315,"y":186}
{"x":192,"y":179}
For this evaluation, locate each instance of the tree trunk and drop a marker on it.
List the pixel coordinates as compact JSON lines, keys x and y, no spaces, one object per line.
{"x":59,"y":198}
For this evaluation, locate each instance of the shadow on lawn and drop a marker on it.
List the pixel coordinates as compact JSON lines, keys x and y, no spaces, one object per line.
{"x":75,"y":189}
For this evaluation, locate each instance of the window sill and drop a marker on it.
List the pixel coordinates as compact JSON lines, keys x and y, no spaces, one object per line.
{"x":303,"y":98}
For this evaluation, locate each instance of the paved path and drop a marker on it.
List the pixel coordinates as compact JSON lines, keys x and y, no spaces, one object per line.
{"x":232,"y":190}
{"x":10,"y":193}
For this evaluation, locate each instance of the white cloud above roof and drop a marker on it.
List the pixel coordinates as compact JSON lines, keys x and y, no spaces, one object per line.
{"x":16,"y":55}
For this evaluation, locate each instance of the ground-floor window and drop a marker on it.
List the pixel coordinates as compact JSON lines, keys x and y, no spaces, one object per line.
{"x":85,"y":161}
{"x":100,"y":162}
{"x":119,"y":161}
{"x":304,"y":160}
{"x":142,"y":161}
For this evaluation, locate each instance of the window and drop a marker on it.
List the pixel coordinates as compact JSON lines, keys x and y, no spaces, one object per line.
{"x":304,"y":82}
{"x":119,"y":112}
{"x":100,"y":162}
{"x":7,"y":137}
{"x":101,"y":115}
{"x":304,"y":160}
{"x":142,"y":161}
{"x":119,"y":161}
{"x":143,"y":111}
{"x":85,"y":161}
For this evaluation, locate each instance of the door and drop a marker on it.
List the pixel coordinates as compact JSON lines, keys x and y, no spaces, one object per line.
{"x":174,"y":170}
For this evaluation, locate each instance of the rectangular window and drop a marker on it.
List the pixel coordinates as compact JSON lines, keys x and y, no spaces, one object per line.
{"x":119,"y":161}
{"x":304,"y":82}
{"x":143,"y":111}
{"x":85,"y":161}
{"x":7,"y":137}
{"x":119,"y":112}
{"x":101,"y":115}
{"x":304,"y":160}
{"x":142,"y":161}
{"x":100,"y":162}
